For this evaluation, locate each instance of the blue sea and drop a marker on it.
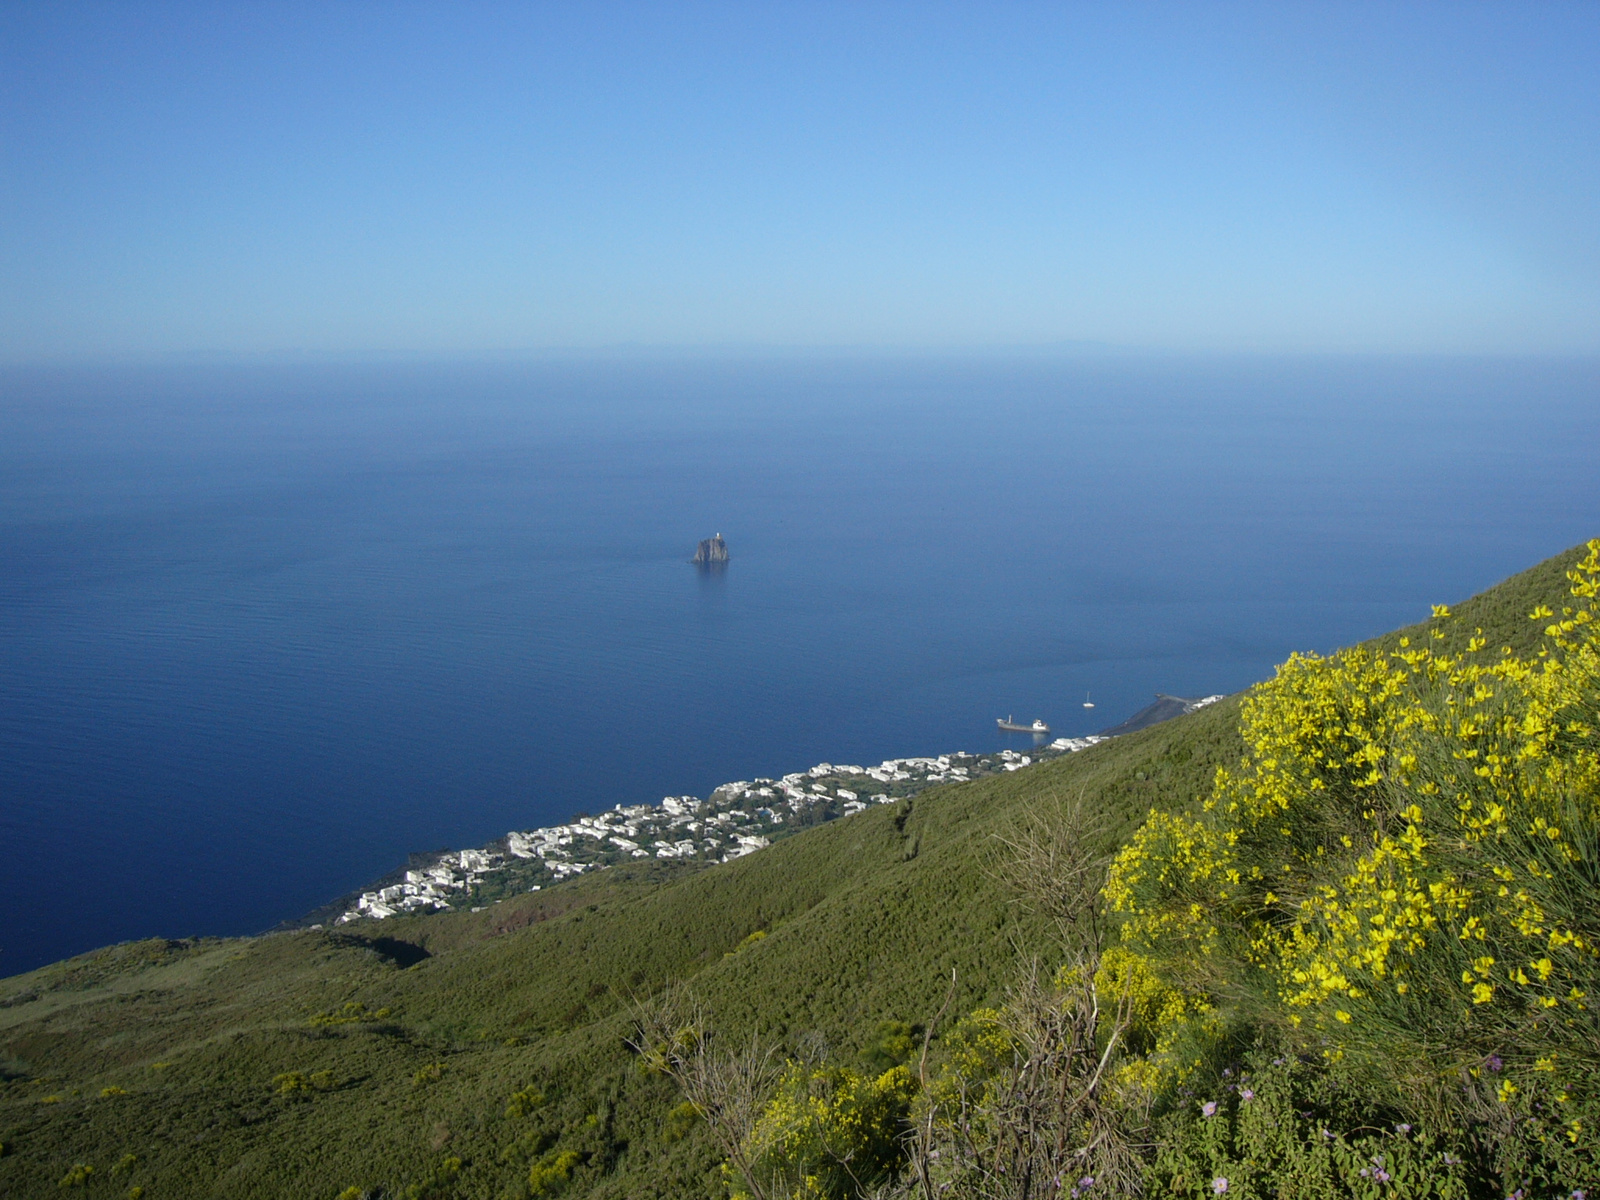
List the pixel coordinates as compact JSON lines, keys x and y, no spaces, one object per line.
{"x":266,"y":629}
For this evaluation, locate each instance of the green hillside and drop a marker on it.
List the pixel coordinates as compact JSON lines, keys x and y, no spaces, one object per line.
{"x":447,"y":1055}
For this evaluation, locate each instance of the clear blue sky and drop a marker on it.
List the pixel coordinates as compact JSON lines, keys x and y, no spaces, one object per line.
{"x":266,"y":178}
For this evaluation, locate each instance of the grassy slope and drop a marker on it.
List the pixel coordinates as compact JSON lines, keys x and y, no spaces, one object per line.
{"x":865,"y":918}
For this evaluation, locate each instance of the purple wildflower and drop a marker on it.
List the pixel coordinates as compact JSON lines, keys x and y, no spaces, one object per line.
{"x":1246,"y":1094}
{"x":1208,"y":1109}
{"x":1495,"y":1062}
{"x":1219,"y":1184}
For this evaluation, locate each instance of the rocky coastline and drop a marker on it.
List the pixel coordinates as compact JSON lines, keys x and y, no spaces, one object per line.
{"x":736,"y":819}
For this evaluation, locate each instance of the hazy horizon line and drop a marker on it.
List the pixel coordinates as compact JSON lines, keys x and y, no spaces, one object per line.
{"x":735,"y":351}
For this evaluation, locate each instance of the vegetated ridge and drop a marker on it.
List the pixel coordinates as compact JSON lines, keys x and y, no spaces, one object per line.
{"x":499,"y":1053}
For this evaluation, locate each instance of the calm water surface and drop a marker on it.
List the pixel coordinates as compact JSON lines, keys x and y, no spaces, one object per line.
{"x":264,"y":631}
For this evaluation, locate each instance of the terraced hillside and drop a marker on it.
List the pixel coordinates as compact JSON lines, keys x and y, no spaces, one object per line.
{"x":442,"y":1055}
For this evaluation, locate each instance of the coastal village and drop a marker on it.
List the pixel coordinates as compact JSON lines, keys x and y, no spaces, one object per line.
{"x":736,"y":819}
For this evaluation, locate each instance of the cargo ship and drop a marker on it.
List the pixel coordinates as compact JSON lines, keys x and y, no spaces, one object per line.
{"x":1011,"y":726}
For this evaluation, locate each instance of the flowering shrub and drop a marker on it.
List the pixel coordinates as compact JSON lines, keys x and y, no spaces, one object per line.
{"x":548,"y":1173}
{"x":830,"y":1131}
{"x":291,"y":1082}
{"x":977,"y":1050}
{"x":1254,"y":1140}
{"x":1400,"y":877}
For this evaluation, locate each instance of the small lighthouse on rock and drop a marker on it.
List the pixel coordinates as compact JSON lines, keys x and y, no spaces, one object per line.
{"x":713,"y":551}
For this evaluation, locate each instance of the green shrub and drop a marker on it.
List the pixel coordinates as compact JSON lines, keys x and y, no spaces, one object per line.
{"x":524,"y":1102}
{"x":681,"y":1119}
{"x":438,"y":1182}
{"x":292,"y":1082}
{"x":891,"y":1046}
{"x":1250,"y":1137}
